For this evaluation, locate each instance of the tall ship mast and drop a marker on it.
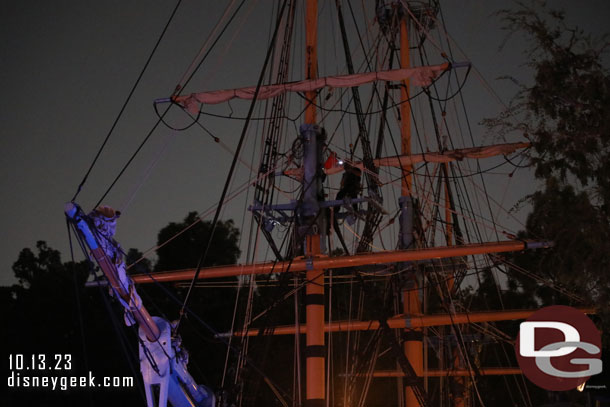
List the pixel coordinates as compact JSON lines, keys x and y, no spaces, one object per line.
{"x":371,"y":216}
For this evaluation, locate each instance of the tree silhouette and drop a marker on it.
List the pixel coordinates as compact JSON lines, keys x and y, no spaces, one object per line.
{"x":50,"y":311}
{"x":565,"y":113}
{"x":189,"y":239}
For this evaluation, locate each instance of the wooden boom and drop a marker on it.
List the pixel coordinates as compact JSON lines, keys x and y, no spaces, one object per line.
{"x":320,"y":262}
{"x":402,"y":322}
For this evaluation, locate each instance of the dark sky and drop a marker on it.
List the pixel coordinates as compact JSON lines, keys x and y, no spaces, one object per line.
{"x":67,"y":67}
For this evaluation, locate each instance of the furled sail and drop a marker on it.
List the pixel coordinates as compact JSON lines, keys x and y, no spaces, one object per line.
{"x":419,"y":76}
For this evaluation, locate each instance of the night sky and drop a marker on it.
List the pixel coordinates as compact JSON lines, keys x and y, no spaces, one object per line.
{"x":67,"y":67}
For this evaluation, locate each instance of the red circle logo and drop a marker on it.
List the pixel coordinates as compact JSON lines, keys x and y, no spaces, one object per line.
{"x":558,"y":348}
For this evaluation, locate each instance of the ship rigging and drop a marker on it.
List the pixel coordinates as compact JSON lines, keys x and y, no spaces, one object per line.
{"x":376,"y":215}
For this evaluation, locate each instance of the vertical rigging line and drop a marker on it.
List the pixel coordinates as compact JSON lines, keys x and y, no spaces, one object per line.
{"x":240,"y":284}
{"x":233,"y":164}
{"x":210,"y":329}
{"x":133,"y":156}
{"x":329,"y":365}
{"x":147,"y":173}
{"x":485,"y":192}
{"x":81,"y":324}
{"x":118,"y":331}
{"x":205,"y":44}
{"x":297,"y":347}
{"x":180,"y":86}
{"x":162,"y":115}
{"x":135,"y":85}
{"x":97,"y":236}
{"x":462,"y":181}
{"x":457,"y":330}
{"x":123,"y":341}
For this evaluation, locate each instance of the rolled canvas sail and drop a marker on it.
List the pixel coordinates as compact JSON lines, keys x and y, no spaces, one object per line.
{"x":419,"y":76}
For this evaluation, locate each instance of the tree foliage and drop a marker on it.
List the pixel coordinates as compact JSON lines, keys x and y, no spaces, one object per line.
{"x":51,"y":311}
{"x":579,"y":259}
{"x":188,"y":241}
{"x":35,"y":268}
{"x":565,"y":113}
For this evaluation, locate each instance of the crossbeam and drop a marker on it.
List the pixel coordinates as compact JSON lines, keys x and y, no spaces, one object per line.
{"x":489,"y":371}
{"x":405,"y":161}
{"x":402,"y":322}
{"x":321,"y":262}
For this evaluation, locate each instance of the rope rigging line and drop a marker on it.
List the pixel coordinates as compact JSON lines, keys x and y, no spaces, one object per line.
{"x":265,"y":190}
{"x":482,"y":79}
{"x":161,"y":117}
{"x":202,"y":215}
{"x":169,"y":126}
{"x":537,"y":278}
{"x":123,"y":341}
{"x":424,"y":57}
{"x":343,"y":91}
{"x":457,"y":331}
{"x":204,"y":46}
{"x":372,"y":217}
{"x":239,"y":288}
{"x":180,"y":87}
{"x":210,"y":329}
{"x":224,"y":146}
{"x":126,"y":203}
{"x":131,"y":92}
{"x":489,"y":206}
{"x":478,"y":166}
{"x":463,"y":215}
{"x":231,"y":117}
{"x":252,"y":250}
{"x":97,"y":236}
{"x":312,"y":102}
{"x":133,"y":156}
{"x":233,"y":163}
{"x":456,"y":93}
{"x":458,"y":174}
{"x":77,"y":294}
{"x":372,"y":277}
{"x":461,"y":176}
{"x":422,"y":28}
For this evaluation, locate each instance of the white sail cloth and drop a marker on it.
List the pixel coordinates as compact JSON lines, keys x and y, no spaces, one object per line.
{"x":419,"y":76}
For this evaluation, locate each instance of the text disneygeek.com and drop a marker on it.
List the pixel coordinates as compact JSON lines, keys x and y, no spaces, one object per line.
{"x":23,"y":367}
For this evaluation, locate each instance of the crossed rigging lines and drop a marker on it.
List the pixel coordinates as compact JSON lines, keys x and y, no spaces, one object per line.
{"x":461,"y":191}
{"x":177,"y":91}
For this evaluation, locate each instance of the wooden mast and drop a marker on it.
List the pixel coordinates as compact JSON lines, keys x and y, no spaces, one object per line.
{"x":314,"y":290}
{"x":411,"y":301}
{"x":314,"y":263}
{"x":311,"y":57}
{"x":405,"y":108}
